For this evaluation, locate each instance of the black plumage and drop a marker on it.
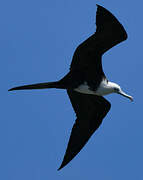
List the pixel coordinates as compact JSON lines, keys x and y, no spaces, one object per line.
{"x":90,"y":111}
{"x":86,"y":67}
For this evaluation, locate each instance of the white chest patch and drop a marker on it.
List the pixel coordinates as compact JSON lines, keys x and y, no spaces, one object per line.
{"x":103,"y":89}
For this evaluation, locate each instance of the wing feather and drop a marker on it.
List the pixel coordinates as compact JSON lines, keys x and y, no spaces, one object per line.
{"x":109,"y":32}
{"x":90,"y":111}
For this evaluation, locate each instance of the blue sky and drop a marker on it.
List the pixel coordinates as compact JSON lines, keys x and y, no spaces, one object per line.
{"x":37,"y":41}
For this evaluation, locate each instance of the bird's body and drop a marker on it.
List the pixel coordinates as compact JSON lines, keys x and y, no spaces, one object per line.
{"x":104,"y":88}
{"x":86,"y":83}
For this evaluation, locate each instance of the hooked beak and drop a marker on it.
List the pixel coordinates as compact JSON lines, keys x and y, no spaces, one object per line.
{"x":125,"y":95}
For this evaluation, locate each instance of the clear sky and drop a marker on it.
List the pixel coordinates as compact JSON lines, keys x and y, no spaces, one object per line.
{"x":37,"y":41}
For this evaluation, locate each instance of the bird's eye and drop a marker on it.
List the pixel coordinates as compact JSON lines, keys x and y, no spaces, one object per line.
{"x":116,"y":89}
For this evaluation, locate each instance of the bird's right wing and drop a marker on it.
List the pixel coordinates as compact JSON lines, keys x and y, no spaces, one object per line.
{"x":90,"y":111}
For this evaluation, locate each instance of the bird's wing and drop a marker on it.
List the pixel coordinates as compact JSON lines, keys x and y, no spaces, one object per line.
{"x":90,"y":111}
{"x":87,"y":57}
{"x":109,"y":31}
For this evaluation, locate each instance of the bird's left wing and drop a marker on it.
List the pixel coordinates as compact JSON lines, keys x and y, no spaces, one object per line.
{"x":109,"y":32}
{"x":87,"y":56}
{"x":90,"y":111}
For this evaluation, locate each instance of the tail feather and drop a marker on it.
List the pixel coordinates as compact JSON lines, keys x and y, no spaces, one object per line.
{"x":37,"y":86}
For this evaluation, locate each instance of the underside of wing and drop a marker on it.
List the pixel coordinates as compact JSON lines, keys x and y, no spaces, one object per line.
{"x":90,"y":111}
{"x":109,"y":32}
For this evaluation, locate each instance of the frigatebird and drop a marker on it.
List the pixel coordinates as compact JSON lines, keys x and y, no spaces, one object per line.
{"x":86,"y":83}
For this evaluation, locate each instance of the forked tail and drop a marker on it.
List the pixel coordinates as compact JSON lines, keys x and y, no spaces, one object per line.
{"x":38,"y":86}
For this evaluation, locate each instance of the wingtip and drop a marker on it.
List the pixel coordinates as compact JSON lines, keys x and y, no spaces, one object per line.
{"x":100,"y":8}
{"x":10,"y":89}
{"x":59,"y":168}
{"x":98,"y":5}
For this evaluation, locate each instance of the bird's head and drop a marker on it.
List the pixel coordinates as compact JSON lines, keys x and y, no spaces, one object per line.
{"x":117,"y":89}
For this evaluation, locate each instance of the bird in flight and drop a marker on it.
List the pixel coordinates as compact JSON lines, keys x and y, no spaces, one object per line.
{"x":86,"y":83}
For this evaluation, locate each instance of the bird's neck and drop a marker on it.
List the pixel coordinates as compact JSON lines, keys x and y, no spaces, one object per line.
{"x":105,"y":87}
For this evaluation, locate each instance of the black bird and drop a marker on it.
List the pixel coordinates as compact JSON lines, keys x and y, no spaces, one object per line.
{"x":86,"y":83}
